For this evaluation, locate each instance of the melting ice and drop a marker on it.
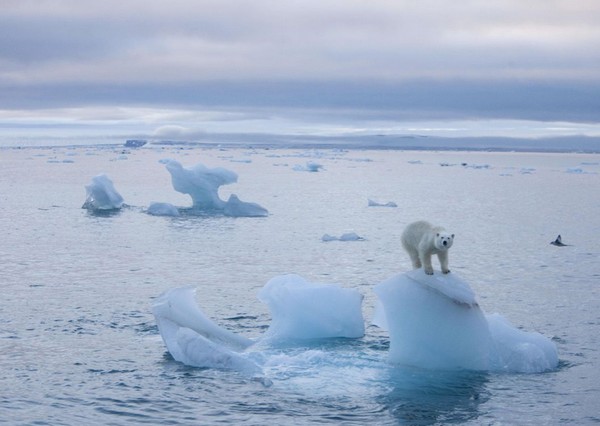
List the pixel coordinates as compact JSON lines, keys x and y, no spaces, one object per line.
{"x":202,"y":184}
{"x":434,"y":322}
{"x":102,"y":195}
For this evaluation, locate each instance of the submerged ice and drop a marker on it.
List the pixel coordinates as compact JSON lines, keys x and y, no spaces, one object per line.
{"x":202,"y":184}
{"x":102,"y":195}
{"x":434,"y":322}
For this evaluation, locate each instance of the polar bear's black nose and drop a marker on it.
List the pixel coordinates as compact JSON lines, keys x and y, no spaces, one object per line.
{"x":445,"y":243}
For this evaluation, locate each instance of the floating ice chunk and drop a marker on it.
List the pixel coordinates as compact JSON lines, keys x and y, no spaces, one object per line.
{"x":575,"y":170}
{"x":351,"y":236}
{"x":163,"y":209}
{"x":429,"y":329}
{"x":527,"y":170}
{"x":102,"y":195}
{"x":193,"y":339}
{"x":238,"y":208}
{"x":178,"y":306}
{"x":514,"y":350}
{"x":376,"y":204}
{"x":304,"y":310}
{"x":435,"y":322}
{"x":348,"y":236}
{"x":202,"y":184}
{"x":310,"y":166}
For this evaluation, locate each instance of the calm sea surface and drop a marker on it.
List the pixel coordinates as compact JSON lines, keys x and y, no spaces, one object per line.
{"x":79,"y":345}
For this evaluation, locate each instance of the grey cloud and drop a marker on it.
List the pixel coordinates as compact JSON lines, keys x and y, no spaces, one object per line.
{"x":467,"y":59}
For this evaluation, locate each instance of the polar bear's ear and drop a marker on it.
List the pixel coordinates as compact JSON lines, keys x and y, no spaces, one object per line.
{"x":437,"y":235}
{"x":452,"y":235}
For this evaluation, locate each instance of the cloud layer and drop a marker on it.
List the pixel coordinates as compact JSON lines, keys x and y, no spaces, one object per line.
{"x":432,"y":59}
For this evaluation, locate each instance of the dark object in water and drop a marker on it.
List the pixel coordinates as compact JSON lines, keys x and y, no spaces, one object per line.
{"x":558,"y":242}
{"x":135,"y":143}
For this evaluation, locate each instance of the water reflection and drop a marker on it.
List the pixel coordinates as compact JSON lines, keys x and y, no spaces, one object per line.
{"x":422,"y":397}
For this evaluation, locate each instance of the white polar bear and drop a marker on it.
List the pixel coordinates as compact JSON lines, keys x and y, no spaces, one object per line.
{"x":421,"y":240}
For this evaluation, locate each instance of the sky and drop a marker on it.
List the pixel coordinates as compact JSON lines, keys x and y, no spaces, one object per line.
{"x":184,"y":67}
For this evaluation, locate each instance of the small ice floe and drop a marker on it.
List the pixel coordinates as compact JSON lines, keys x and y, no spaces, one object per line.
{"x":527,"y":170}
{"x":578,"y":171}
{"x":163,"y":209}
{"x":348,"y":236}
{"x":310,"y":166}
{"x":575,"y":170}
{"x":102,"y":195}
{"x":415,"y":162}
{"x":238,"y":208}
{"x":376,"y":204}
{"x":477,"y":166}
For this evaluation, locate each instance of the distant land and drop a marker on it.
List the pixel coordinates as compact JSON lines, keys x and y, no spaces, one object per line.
{"x":576,"y":143}
{"x":584,"y":144}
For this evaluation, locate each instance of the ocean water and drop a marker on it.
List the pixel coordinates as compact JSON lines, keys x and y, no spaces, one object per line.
{"x":79,"y":344}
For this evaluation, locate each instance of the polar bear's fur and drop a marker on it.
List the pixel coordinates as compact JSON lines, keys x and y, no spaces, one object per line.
{"x":422,"y":240}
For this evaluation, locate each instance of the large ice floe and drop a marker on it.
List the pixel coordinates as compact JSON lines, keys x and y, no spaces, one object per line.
{"x":434,"y":322}
{"x":101,"y":195}
{"x":202,"y":184}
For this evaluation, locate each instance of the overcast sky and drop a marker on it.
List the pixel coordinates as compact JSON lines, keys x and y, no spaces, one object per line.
{"x":394,"y":61}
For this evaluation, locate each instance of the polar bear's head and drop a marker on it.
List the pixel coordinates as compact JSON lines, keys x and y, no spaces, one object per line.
{"x":443,"y":240}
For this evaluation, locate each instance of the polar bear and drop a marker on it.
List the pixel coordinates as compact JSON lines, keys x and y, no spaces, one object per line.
{"x":421,"y":240}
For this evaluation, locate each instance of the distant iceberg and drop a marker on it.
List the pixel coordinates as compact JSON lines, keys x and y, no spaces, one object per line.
{"x":310,"y":166}
{"x":202,"y":184}
{"x":135,"y":143}
{"x":376,"y":204}
{"x":101,"y":195}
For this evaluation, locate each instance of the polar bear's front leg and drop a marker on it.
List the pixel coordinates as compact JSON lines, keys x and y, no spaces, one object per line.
{"x":443,"y":257}
{"x":426,"y":260}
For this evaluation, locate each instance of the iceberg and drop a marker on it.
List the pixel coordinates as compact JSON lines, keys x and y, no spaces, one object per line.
{"x":435,"y":322}
{"x":193,"y":339}
{"x":202,"y":184}
{"x":303,"y":310}
{"x":300,"y":310}
{"x":101,"y":195}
